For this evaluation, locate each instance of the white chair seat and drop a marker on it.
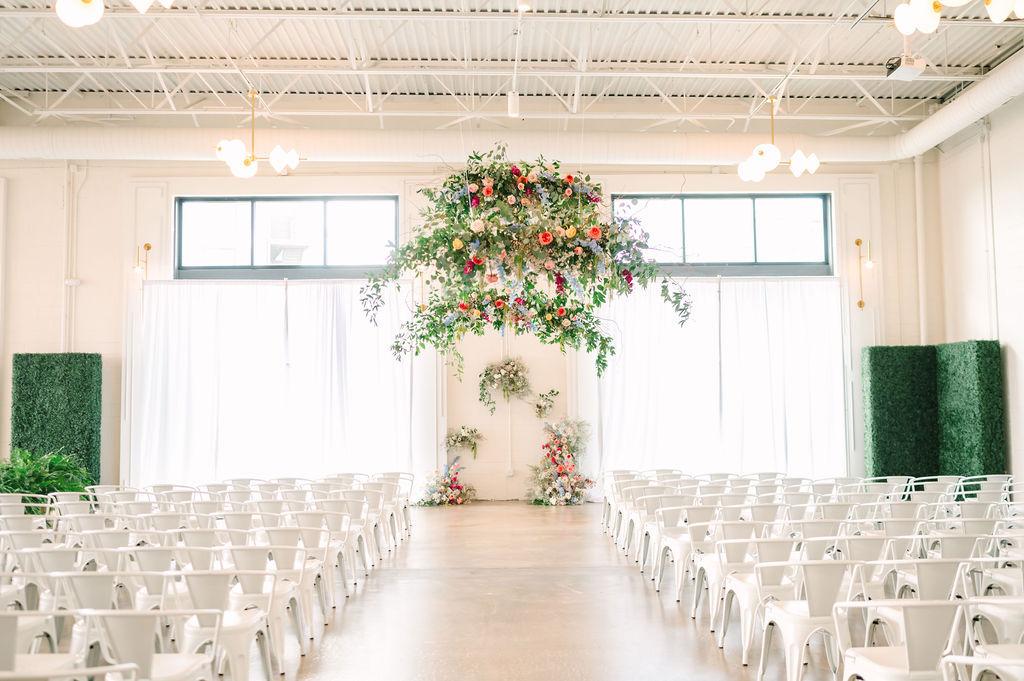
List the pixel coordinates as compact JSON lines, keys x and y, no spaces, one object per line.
{"x":43,"y":664}
{"x":169,"y":666}
{"x":882,"y":662}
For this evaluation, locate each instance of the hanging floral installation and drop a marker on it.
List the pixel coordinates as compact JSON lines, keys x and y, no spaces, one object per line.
{"x":520,"y":248}
{"x":444,"y":488}
{"x":557,"y":480}
{"x":545,"y":402}
{"x":465,"y":437}
{"x":508,"y":376}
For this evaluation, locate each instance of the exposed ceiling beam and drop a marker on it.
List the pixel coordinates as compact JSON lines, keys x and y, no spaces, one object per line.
{"x":437,"y":68}
{"x":442,"y":113}
{"x":478,"y":15}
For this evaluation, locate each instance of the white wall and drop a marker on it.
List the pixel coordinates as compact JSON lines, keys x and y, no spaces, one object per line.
{"x":119,"y":206}
{"x":982,"y":230}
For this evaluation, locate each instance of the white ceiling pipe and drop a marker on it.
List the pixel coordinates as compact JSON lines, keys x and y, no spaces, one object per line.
{"x":410,"y":146}
{"x":451,"y":147}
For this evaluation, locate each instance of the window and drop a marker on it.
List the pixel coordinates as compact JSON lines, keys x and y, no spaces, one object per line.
{"x":735,"y":234}
{"x":278,"y":237}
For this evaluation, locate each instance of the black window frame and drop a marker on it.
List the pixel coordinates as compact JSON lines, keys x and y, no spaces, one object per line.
{"x":824,"y":268}
{"x":252,"y":271}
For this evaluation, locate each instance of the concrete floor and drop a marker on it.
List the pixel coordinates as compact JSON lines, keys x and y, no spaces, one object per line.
{"x":507,"y":591}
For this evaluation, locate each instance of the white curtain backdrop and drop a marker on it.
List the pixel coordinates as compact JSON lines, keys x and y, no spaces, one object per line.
{"x":752,"y":382}
{"x":271,"y":379}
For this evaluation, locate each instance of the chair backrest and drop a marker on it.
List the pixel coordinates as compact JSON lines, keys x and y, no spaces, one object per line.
{"x":935,"y":579}
{"x":94,"y":589}
{"x":132,"y":637}
{"x":927,"y":626}
{"x":862,"y":547}
{"x":821,"y":582}
{"x":209,"y":591}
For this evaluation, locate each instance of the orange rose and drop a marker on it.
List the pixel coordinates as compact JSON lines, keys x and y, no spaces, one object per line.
{"x":561,"y":312}
{"x":594,"y":232}
{"x":499,"y":304}
{"x":488,"y":190}
{"x":568,"y":178}
{"x":546,"y":238}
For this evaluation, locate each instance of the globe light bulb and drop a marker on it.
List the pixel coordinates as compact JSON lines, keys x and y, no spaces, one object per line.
{"x":245,"y":168}
{"x":813,"y":164}
{"x":750,"y":171}
{"x":955,"y":3}
{"x":767,"y":157}
{"x":927,"y":14}
{"x":999,"y":10}
{"x":231,"y":151}
{"x":903,"y":17}
{"x":278,"y":160}
{"x":78,"y":13}
{"x":798,"y":163}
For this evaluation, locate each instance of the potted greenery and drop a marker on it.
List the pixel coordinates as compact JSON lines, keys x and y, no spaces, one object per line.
{"x":40,"y":474}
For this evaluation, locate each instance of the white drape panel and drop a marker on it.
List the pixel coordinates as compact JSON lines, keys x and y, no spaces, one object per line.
{"x":752,"y":382}
{"x":270,"y":379}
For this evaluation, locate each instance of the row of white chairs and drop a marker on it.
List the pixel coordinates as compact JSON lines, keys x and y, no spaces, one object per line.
{"x":779,"y":562}
{"x":210,"y":569}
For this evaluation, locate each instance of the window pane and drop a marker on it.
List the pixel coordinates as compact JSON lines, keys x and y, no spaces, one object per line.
{"x":719,"y":230}
{"x":360,"y":231}
{"x":214,"y":233}
{"x":790,"y":229}
{"x":662,"y":220}
{"x":288,"y":233}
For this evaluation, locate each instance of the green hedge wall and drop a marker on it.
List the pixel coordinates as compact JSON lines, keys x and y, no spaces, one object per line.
{"x":972,"y":437}
{"x":901,"y":417}
{"x":56,"y":404}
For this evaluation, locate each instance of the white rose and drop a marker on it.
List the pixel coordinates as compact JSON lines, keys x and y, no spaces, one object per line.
{"x":477,"y":226}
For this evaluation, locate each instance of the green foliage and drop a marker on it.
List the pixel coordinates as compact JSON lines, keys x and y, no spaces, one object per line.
{"x":522,"y":249}
{"x":934,"y":409}
{"x":28,"y":473}
{"x":508,"y":376}
{"x":56,"y":405}
{"x":901,"y":420}
{"x":972,"y":438}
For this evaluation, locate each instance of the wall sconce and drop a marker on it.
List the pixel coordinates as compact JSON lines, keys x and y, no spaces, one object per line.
{"x":864,"y":262}
{"x":142,"y":259}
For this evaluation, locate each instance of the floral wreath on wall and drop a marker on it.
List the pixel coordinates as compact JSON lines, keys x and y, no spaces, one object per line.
{"x":520,"y":248}
{"x":508,"y":376}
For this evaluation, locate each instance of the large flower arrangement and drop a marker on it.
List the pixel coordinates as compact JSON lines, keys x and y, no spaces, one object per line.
{"x":508,"y":376}
{"x":557,"y":481}
{"x":465,"y":437}
{"x":523,"y":248}
{"x":444,"y":488}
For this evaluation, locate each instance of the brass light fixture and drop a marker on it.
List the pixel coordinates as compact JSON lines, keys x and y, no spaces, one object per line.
{"x":864,"y":262}
{"x":142,"y":259}
{"x":767,"y":157}
{"x":245,"y":163}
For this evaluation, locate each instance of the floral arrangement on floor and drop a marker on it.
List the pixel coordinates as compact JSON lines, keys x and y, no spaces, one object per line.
{"x":521,"y":248}
{"x":508,"y":376}
{"x":463,"y":438}
{"x":444,"y":488}
{"x":545,"y":402}
{"x":556,"y":481}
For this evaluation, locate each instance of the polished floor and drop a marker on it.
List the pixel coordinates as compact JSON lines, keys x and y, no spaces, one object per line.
{"x":507,"y":591}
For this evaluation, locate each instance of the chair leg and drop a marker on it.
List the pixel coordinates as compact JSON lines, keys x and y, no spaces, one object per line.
{"x":660,"y":572}
{"x":747,"y":620}
{"x":766,"y":643}
{"x":264,"y":647}
{"x":724,"y":626}
{"x":697,"y":591}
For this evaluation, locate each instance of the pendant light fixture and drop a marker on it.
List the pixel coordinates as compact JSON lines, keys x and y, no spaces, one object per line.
{"x":79,"y":13}
{"x":244,"y":163}
{"x":924,"y":15}
{"x":767,"y":157}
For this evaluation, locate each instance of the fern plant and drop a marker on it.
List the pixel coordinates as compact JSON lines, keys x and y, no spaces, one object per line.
{"x":40,"y":474}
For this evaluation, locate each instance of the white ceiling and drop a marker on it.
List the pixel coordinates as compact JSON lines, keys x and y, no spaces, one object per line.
{"x":625,"y":65}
